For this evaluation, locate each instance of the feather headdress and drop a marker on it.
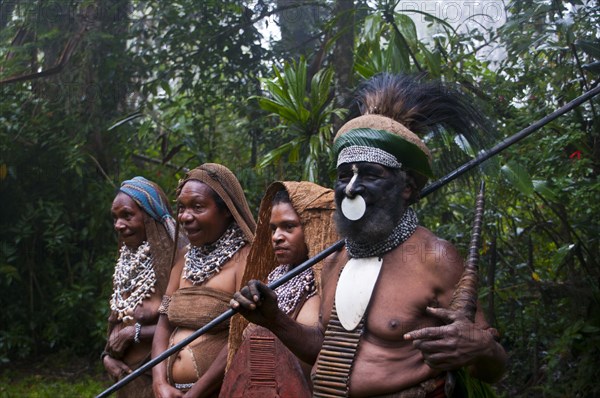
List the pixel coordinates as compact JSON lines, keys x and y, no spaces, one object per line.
{"x":397,"y":113}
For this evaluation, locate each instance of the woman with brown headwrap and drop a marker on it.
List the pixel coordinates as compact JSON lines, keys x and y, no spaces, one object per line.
{"x":212,"y":209}
{"x":295,"y":222}
{"x":142,"y":218}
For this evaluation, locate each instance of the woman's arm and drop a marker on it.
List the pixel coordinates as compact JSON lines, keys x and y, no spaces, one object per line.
{"x":115,"y":367}
{"x":257,"y":303}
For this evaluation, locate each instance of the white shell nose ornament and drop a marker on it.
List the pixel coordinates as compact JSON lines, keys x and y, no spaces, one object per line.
{"x":353,"y":208}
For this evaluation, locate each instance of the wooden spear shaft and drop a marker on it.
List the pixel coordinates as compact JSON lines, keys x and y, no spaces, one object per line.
{"x":464,"y":298}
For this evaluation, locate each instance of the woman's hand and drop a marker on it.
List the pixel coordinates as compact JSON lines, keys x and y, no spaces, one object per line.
{"x":256,"y":302}
{"x":164,"y":390}
{"x":119,"y":340}
{"x":115,"y":367}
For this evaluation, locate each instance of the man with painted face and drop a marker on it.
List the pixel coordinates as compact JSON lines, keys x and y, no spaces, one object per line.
{"x":386,"y":329}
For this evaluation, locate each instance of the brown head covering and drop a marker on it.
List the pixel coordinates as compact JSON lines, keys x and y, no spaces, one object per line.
{"x":161,"y":247}
{"x":378,"y":122}
{"x":227,"y":186}
{"x":315,"y":207}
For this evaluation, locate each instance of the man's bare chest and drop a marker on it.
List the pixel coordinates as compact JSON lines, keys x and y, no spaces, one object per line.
{"x":397,"y":305}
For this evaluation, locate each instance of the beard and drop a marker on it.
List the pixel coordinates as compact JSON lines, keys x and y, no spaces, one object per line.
{"x":379,"y":220}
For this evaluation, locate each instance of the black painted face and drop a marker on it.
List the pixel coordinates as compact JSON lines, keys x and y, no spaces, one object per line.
{"x":371,"y":181}
{"x":381,"y":188}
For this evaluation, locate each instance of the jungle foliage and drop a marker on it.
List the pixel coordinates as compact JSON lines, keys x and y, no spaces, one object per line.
{"x":94,"y":92}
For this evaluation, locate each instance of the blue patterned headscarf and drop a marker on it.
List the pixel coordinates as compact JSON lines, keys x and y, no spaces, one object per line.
{"x":148,"y":197}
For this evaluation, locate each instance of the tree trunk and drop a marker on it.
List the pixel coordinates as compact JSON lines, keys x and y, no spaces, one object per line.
{"x":343,"y":53}
{"x":296,"y":24}
{"x":6,"y":11}
{"x":107,"y":92}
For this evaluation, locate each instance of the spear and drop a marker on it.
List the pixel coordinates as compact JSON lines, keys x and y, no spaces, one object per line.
{"x":339,"y":244}
{"x":464,"y":299}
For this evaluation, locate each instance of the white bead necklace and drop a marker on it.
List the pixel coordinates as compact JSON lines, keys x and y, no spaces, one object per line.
{"x":133,"y":280}
{"x":290,"y":293}
{"x":204,"y":262}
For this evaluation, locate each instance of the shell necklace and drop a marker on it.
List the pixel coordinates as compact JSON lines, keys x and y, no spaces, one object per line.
{"x":204,"y":262}
{"x":290,"y":293}
{"x":133,"y":280}
{"x":404,"y":230}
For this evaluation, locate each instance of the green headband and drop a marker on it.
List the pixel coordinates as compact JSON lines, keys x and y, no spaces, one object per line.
{"x":408,"y":154}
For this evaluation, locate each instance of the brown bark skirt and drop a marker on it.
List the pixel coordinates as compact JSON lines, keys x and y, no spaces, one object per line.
{"x":264,"y":368}
{"x":140,"y":387}
{"x":192,"y":308}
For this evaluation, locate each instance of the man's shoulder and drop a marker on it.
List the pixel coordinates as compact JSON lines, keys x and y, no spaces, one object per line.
{"x":333,"y":262}
{"x":427,"y":237}
{"x":433,"y":250}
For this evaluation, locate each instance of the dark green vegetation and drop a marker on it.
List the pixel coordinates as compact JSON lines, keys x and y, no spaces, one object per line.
{"x":95,"y":92}
{"x":51,"y":376}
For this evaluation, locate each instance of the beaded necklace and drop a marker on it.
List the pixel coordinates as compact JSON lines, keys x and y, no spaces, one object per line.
{"x":133,"y":280}
{"x":290,"y":293}
{"x":405,"y":228}
{"x":203,"y":262}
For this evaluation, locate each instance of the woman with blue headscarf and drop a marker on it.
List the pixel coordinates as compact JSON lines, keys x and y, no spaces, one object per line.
{"x":146,"y":230}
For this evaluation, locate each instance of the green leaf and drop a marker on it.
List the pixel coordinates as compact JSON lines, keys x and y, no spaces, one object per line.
{"x":433,"y":60}
{"x":372,"y":27}
{"x":517,"y":176}
{"x":365,"y":70}
{"x":433,"y":18}
{"x":542,"y":187}
{"x":464,"y":145}
{"x":164,"y":84}
{"x":591,"y":329}
{"x":589,"y":47}
{"x":9,"y":272}
{"x":126,"y":119}
{"x":491,"y":167}
{"x":593,"y":67}
{"x":396,"y":57}
{"x":407,"y":27}
{"x":273,"y":156}
{"x":559,"y":256}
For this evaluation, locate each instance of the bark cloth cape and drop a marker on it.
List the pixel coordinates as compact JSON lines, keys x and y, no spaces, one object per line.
{"x":376,"y":138}
{"x":193,"y":307}
{"x":160,"y":231}
{"x":269,"y":368}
